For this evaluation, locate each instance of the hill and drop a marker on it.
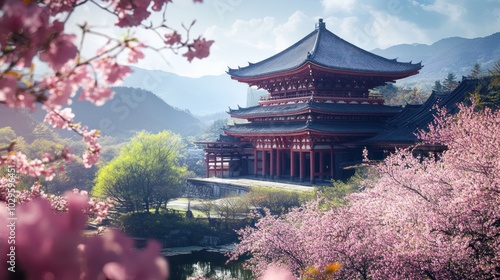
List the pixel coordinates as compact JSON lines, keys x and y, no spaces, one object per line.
{"x":201,"y":96}
{"x":455,"y":54}
{"x":129,"y":111}
{"x":133,"y":110}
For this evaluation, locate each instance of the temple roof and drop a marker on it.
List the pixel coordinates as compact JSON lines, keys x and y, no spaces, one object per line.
{"x":341,"y":128}
{"x":402,"y":128}
{"x":330,"y":108}
{"x":323,"y":48}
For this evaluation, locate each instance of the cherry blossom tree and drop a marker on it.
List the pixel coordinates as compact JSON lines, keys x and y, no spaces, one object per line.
{"x":35,"y":30}
{"x":44,"y":232}
{"x":426,"y":216}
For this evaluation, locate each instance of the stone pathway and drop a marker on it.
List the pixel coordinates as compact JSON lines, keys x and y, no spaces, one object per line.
{"x":251,"y":183}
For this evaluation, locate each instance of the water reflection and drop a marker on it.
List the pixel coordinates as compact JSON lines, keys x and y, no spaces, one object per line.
{"x":208,"y":264}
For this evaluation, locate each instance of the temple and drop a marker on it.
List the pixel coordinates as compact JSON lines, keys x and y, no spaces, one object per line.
{"x":318,"y":116}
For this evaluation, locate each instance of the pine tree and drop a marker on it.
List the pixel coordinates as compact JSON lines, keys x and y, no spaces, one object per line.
{"x":495,"y":70}
{"x":437,"y":86}
{"x":476,"y":71}
{"x":450,"y":82}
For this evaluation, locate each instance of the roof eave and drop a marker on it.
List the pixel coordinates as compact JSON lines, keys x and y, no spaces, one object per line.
{"x":310,"y":64}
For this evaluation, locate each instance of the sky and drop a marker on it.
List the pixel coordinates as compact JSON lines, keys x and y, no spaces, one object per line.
{"x":252,"y":30}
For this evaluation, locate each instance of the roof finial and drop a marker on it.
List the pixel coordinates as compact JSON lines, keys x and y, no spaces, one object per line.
{"x":320,"y":24}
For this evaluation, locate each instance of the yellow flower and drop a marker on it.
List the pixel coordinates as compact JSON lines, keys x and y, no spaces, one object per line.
{"x":311,"y":270}
{"x":331,"y":268}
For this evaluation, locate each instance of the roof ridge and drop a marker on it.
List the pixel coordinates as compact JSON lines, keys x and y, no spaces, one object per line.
{"x":319,"y":27}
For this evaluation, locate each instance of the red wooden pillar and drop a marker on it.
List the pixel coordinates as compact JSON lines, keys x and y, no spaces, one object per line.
{"x":264,"y":163}
{"x":271,"y":164}
{"x":222,"y":166}
{"x":292,"y":164}
{"x":321,"y":165}
{"x":332,"y":162}
{"x":279,"y":158}
{"x":301,"y":165}
{"x":312,"y":165}
{"x":216,"y":168}
{"x":207,"y":160}
{"x":255,"y":162}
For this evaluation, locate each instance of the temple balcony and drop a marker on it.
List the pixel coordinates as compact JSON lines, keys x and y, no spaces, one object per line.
{"x":321,"y":98}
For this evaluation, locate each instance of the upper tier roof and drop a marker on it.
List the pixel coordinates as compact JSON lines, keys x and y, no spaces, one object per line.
{"x":323,"y":48}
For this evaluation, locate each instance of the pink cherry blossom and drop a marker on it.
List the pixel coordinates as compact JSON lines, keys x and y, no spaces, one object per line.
{"x":199,"y":49}
{"x":8,"y":88}
{"x":111,"y":71}
{"x":158,"y":4}
{"x":277,"y":273}
{"x":60,"y":6}
{"x":135,"y":53}
{"x":60,"y":118}
{"x":60,"y":50}
{"x":51,"y":246}
{"x":91,"y":155}
{"x":59,"y":91}
{"x":132,"y":13}
{"x":46,"y":243}
{"x":112,"y":256}
{"x":172,"y":38}
{"x":424,"y":217}
{"x":96,"y":95}
{"x":27,"y":22}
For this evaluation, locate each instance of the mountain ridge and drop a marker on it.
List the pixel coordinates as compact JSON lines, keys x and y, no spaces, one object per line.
{"x":131,"y":110}
{"x":452,"y":54}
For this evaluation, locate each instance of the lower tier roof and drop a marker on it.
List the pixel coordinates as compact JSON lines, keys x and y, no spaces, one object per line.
{"x":289,"y":128}
{"x":328,"y":108}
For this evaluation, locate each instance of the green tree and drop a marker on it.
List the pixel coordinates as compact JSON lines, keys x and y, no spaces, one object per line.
{"x":415,"y":97}
{"x":489,"y":95}
{"x":476,"y":71}
{"x":146,"y":174}
{"x":212,"y":132}
{"x":390,"y":92}
{"x":438,"y":86}
{"x":335,"y":195}
{"x":450,"y":82}
{"x":277,"y":201}
{"x":7,"y":135}
{"x":495,"y":70}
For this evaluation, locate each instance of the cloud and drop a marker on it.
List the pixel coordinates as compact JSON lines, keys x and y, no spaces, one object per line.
{"x":376,"y":29}
{"x":388,"y":30}
{"x":338,"y":5}
{"x":254,"y":26}
{"x":253,"y":32}
{"x":445,"y":7}
{"x":284,"y":32}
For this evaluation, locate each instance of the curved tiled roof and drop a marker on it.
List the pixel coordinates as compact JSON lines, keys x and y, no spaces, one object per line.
{"x":403,"y":127}
{"x":331,"y":108}
{"x":323,"y":48}
{"x":298,"y":127}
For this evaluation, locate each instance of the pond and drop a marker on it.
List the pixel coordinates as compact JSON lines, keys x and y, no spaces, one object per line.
{"x":209,"y":264}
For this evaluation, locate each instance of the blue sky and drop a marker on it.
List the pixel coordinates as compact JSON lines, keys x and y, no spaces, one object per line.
{"x":252,"y":30}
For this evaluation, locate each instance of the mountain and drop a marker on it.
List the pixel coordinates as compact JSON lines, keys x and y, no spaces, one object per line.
{"x":129,"y":111}
{"x":133,"y":110}
{"x":201,"y":96}
{"x":455,"y":54}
